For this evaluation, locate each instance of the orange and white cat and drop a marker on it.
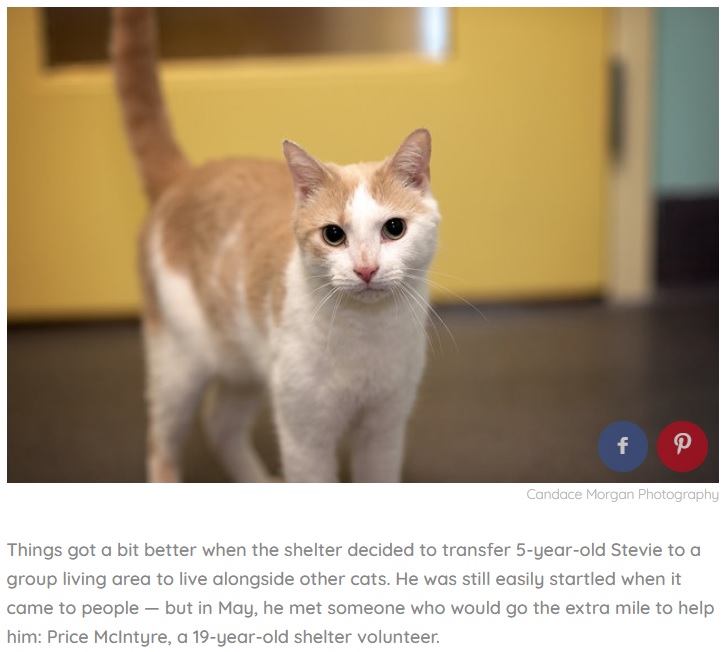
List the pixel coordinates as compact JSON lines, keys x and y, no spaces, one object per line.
{"x":305,"y":279}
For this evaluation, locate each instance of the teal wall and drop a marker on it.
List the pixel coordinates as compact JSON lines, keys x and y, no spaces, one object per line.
{"x":686,"y":138}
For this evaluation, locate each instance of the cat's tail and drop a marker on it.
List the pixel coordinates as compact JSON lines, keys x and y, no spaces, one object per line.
{"x":133,"y":53}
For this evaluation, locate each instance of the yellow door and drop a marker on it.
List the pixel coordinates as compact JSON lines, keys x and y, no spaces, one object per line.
{"x":517,"y":111}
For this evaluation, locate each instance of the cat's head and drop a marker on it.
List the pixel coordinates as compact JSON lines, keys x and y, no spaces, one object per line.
{"x":365,"y":228}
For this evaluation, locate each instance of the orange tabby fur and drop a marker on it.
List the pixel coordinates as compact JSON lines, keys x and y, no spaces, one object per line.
{"x":223,"y":246}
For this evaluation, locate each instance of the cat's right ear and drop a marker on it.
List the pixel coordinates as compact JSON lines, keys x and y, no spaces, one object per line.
{"x":411,"y":161}
{"x":308,"y":174}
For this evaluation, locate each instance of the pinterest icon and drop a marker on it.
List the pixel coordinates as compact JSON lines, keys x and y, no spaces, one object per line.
{"x":682,"y":446}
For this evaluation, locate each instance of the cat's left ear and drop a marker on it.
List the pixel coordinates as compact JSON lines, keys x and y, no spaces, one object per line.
{"x":411,"y":163}
{"x":308,"y":174}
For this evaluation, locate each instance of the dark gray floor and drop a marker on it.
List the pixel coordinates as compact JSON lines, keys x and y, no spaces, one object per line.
{"x":521,"y":397}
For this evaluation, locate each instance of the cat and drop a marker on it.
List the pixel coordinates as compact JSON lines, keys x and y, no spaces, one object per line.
{"x":300,"y":278}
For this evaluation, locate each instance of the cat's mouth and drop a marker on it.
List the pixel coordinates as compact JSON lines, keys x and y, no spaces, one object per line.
{"x":370,"y":294}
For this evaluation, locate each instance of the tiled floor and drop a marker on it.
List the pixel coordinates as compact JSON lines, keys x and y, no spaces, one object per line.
{"x":521,"y":396}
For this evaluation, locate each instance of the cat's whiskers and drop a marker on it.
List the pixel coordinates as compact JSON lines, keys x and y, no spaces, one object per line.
{"x":424,"y":303}
{"x":323,"y":301}
{"x":316,"y":276}
{"x":426,"y":309}
{"x":439,"y":286}
{"x":395,"y":297}
{"x":323,"y":286}
{"x":432,"y":271}
{"x":332,"y":318}
{"x":414,"y":308}
{"x":405,"y":294}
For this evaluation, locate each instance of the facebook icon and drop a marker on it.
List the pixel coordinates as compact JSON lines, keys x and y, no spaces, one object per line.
{"x":622,"y":446}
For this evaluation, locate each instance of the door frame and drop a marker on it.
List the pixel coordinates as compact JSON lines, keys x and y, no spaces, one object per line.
{"x":631,"y":241}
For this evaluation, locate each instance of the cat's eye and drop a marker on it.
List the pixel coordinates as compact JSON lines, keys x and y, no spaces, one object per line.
{"x":333,"y":235}
{"x":394,"y":228}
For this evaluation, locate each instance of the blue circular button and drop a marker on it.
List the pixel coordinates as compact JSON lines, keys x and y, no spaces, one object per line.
{"x":622,"y":446}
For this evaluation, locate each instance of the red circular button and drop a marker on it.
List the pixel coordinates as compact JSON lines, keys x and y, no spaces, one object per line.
{"x":682,"y":446}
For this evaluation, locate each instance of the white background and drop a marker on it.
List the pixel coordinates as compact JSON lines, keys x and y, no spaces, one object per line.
{"x":366,"y":514}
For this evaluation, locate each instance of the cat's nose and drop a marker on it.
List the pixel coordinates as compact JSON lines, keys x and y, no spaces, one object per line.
{"x":366,"y":273}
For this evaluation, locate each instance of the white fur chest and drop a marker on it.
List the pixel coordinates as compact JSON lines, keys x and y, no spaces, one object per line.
{"x":358,"y":353}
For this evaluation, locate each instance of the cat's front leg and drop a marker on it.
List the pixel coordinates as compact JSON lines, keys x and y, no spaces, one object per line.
{"x":308,"y":445}
{"x":311,"y":407}
{"x":377,"y":443}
